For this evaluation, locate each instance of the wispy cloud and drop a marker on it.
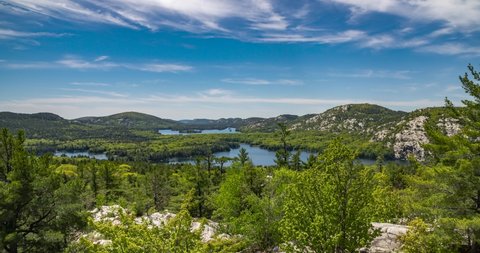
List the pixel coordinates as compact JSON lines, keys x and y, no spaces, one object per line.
{"x":216,"y":92}
{"x":101,"y":58}
{"x":192,"y":15}
{"x":460,"y":14}
{"x":99,"y":92}
{"x":216,"y":97}
{"x":268,"y":21}
{"x":72,"y":62}
{"x":256,"y":81}
{"x":76,"y":63}
{"x":90,"y":84}
{"x":159,"y":68}
{"x":215,"y":102}
{"x":452,"y":49}
{"x":370,"y":73}
{"x":452,"y":88}
{"x":325,"y":38}
{"x":12,"y":34}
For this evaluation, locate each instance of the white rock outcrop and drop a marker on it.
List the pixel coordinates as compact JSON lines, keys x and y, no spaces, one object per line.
{"x":388,"y":240}
{"x":112,"y":214}
{"x":409,"y":141}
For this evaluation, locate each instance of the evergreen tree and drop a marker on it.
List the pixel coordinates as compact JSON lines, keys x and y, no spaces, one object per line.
{"x":282,"y":156}
{"x":450,"y":187}
{"x":38,"y":209}
{"x":243,"y":156}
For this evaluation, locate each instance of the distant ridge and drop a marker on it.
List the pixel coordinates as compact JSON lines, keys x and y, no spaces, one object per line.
{"x":366,"y":119}
{"x":129,"y":120}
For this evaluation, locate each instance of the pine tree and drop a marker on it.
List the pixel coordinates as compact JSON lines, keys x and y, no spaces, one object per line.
{"x":454,"y":178}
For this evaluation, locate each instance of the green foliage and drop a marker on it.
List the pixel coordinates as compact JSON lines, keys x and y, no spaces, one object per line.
{"x":282,"y":156}
{"x":423,"y":238}
{"x":249,"y":203}
{"x":39,"y":209}
{"x":450,"y":185}
{"x":329,"y":208}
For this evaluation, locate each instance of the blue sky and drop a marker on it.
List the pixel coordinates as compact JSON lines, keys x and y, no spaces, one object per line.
{"x":232,"y":58}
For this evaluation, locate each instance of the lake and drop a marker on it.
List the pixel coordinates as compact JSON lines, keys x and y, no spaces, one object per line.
{"x":265,"y":157}
{"x":258,"y":155}
{"x":228,"y":130}
{"x":100,"y":156}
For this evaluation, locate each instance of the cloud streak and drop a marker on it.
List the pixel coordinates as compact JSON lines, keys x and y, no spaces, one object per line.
{"x":212,"y":96}
{"x":12,"y":34}
{"x":103,"y":64}
{"x":260,"y":82}
{"x":460,"y":14}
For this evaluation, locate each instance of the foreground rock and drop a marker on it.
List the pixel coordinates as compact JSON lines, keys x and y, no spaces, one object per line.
{"x":388,"y":240}
{"x":112,"y":214}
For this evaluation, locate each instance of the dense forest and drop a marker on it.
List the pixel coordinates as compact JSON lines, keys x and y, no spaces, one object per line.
{"x":325,"y":204}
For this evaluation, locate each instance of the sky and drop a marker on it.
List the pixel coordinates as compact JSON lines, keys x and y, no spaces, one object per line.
{"x":232,"y":58}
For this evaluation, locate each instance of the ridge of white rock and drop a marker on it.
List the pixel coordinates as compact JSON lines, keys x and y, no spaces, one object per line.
{"x":388,"y":240}
{"x":112,"y":214}
{"x":409,"y":141}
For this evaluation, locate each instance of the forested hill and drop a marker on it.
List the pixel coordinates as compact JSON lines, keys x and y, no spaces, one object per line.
{"x":352,"y":117}
{"x":130,"y":120}
{"x":365,"y":119}
{"x":51,"y":126}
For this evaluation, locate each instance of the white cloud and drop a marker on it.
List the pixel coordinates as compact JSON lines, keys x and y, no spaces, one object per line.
{"x":209,"y":103}
{"x":256,"y":81}
{"x":461,"y":14}
{"x":452,"y":88}
{"x":247,"y":81}
{"x":90,"y":84}
{"x":11,"y":34}
{"x":75,"y":63}
{"x":191,"y":15}
{"x":72,"y":62}
{"x":370,"y":73}
{"x":216,"y":92}
{"x":452,"y":49}
{"x":159,"y":68}
{"x":99,"y":92}
{"x":326,"y":38}
{"x":101,"y":58}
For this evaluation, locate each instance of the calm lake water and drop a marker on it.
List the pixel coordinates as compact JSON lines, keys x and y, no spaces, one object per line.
{"x":101,"y":156}
{"x":228,"y":130}
{"x":264,"y":157}
{"x":259,"y":156}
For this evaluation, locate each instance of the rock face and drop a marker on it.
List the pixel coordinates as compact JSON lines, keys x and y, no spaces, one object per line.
{"x":450,"y":126}
{"x":388,"y":240}
{"x":409,"y":141}
{"x":352,"y":118}
{"x":112,"y":214}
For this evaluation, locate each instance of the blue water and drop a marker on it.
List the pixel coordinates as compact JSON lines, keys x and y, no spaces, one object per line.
{"x":101,"y":156}
{"x":258,"y":156}
{"x":228,"y":130}
{"x":263,"y":157}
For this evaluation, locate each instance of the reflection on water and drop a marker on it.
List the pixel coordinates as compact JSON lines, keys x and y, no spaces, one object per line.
{"x":228,"y":130}
{"x":101,"y":156}
{"x":265,"y":157}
